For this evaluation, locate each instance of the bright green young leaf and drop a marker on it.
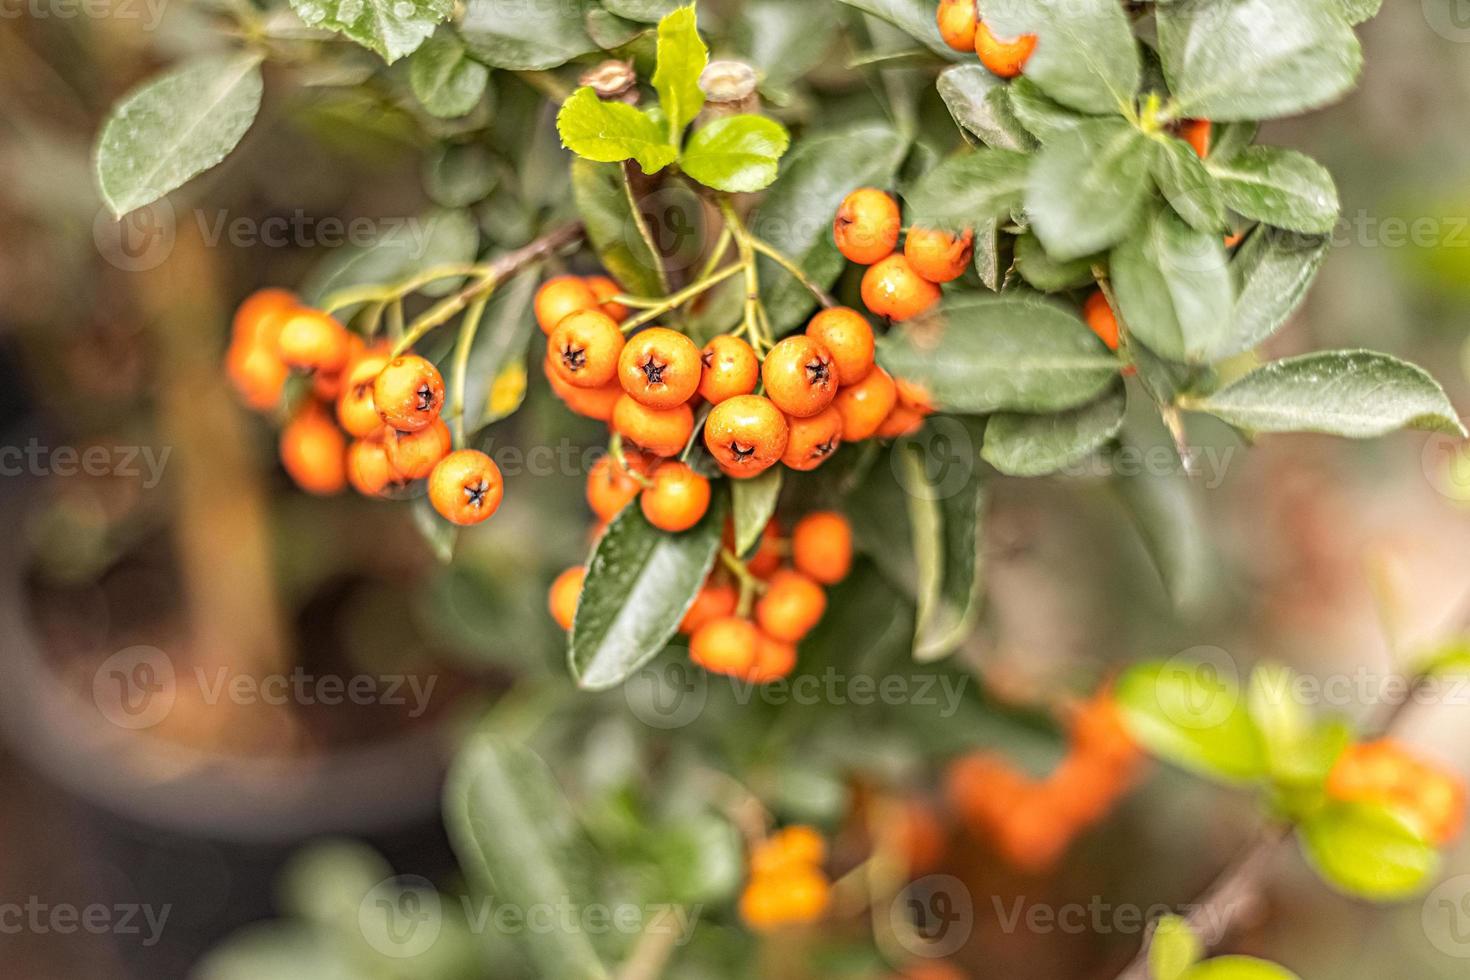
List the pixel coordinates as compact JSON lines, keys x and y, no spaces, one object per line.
{"x":1035,"y":445}
{"x":1358,"y":11}
{"x":993,"y":353}
{"x":1220,"y":68}
{"x":736,"y":154}
{"x":1087,"y":187}
{"x":1188,"y":187}
{"x":682,"y":57}
{"x":1194,"y":716}
{"x":392,"y":28}
{"x":1047,"y":274}
{"x":1358,"y":394}
{"x":617,"y":232}
{"x":968,"y":190}
{"x":1174,"y":289}
{"x":914,"y":17}
{"x":175,"y":127}
{"x":1368,"y":852}
{"x":1238,"y":968}
{"x":610,"y":132}
{"x":1044,"y":117}
{"x":1164,"y":507}
{"x":1300,"y":750}
{"x":752,"y":505}
{"x":1086,"y":56}
{"x":527,"y":35}
{"x":639,"y":584}
{"x":1272,"y":272}
{"x":445,"y":79}
{"x":1173,"y":950}
{"x":1283,"y":188}
{"x":980,"y":103}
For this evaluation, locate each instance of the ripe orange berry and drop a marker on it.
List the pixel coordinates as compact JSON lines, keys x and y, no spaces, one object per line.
{"x":310,"y":340}
{"x":314,"y":452}
{"x":258,"y":374}
{"x":408,"y":393}
{"x":791,"y":606}
{"x":1386,"y":773}
{"x":865,"y":405}
{"x":678,"y":498}
{"x":594,"y":403}
{"x":725,"y":646}
{"x":767,"y":557}
{"x":937,"y":255}
{"x":848,"y":337}
{"x":746,"y":434}
{"x":899,"y":423}
{"x":559,"y":297}
{"x":867,"y":225}
{"x":1082,"y":790}
{"x":413,"y":455}
{"x":957,"y":21}
{"x":797,"y":898}
{"x":1003,"y":57}
{"x":730,"y":368}
{"x":774,"y":660}
{"x":821,"y":546}
{"x":605,"y":289}
{"x":584,"y":348}
{"x":893,"y":289}
{"x":465,"y":487}
{"x":716,"y":600}
{"x":356,"y":412}
{"x":660,"y":367}
{"x":1100,"y":317}
{"x":564,"y":594}
{"x":1196,"y":132}
{"x":663,"y":432}
{"x":368,"y":469}
{"x":611,"y":485}
{"x":792,"y":848}
{"x":812,"y":441}
{"x":799,"y":376}
{"x":258,"y":319}
{"x":1097,"y":732}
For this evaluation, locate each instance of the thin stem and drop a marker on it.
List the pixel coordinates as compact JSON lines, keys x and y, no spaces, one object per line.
{"x":395,"y":320}
{"x":635,"y":302}
{"x":680,"y":298}
{"x":796,"y":272}
{"x":722,"y":245}
{"x":469,"y":327}
{"x":750,"y":586}
{"x":367,"y":294}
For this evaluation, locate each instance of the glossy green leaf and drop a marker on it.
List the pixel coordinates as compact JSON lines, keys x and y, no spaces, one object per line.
{"x":1193,"y":716}
{"x":1173,"y":949}
{"x":1358,"y":394}
{"x":1043,"y":116}
{"x":1280,"y":187}
{"x":1087,"y":187}
{"x":967,"y":190}
{"x":527,"y":35}
{"x":445,"y":79}
{"x":736,"y":154}
{"x":753,"y":504}
{"x":1272,"y":272}
{"x":1300,"y":750}
{"x":1035,"y":445}
{"x":993,"y":353}
{"x":460,"y":174}
{"x":392,"y":28}
{"x":1166,"y":511}
{"x":610,"y":132}
{"x":644,"y":11}
{"x":1188,"y":187}
{"x":174,"y":127}
{"x":1174,"y":288}
{"x":682,"y":56}
{"x":439,"y":237}
{"x":980,"y":103}
{"x":496,"y":378}
{"x":914,"y":17}
{"x":1238,"y":968}
{"x":1047,"y":274}
{"x":1368,"y":852}
{"x":990,"y":261}
{"x":618,"y":234}
{"x":784,"y":40}
{"x":1086,"y":56}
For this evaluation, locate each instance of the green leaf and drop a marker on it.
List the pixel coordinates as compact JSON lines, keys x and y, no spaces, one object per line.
{"x":175,"y":127}
{"x":1272,"y":272}
{"x":516,"y":837}
{"x":753,"y":504}
{"x":1173,"y":949}
{"x":946,"y":521}
{"x":968,"y":190}
{"x":1191,"y":714}
{"x":1086,"y":56}
{"x":1358,"y":11}
{"x":682,"y":57}
{"x":1188,"y":187}
{"x":1047,"y":274}
{"x":992,"y":353}
{"x":1358,"y":394}
{"x":610,"y":132}
{"x":1239,"y":968}
{"x":616,"y":231}
{"x":914,"y":17}
{"x":979,"y":102}
{"x":1219,"y":68}
{"x":1280,"y":187}
{"x":1300,"y":751}
{"x":609,"y":31}
{"x":639,"y":584}
{"x":1087,"y":187}
{"x":460,"y":174}
{"x":495,"y":381}
{"x":527,"y":35}
{"x":878,"y":510}
{"x":1368,"y":852}
{"x":1042,"y":115}
{"x":1174,"y":288}
{"x":1164,"y":509}
{"x":643,"y":11}
{"x":736,"y":154}
{"x":784,"y":40}
{"x":989,"y":264}
{"x":445,"y":79}
{"x":796,"y":212}
{"x":439,"y":237}
{"x":1035,"y":445}
{"x":392,"y":28}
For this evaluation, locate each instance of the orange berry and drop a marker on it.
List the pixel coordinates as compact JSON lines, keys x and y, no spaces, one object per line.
{"x":663,"y":432}
{"x":1034,"y":834}
{"x":957,"y":20}
{"x":790,"y":849}
{"x":848,"y":337}
{"x":314,"y":452}
{"x":258,"y":319}
{"x":408,"y":393}
{"x":865,"y":405}
{"x":921,"y":836}
{"x":1100,"y":317}
{"x":1004,"y":57}
{"x":611,"y":485}
{"x":899,"y":423}
{"x":867,"y":225}
{"x":774,"y":659}
{"x":915,"y":396}
{"x":767,"y":557}
{"x":413,"y":455}
{"x":730,"y":368}
{"x":368,"y":469}
{"x":584,"y":348}
{"x":594,"y":403}
{"x":678,"y":498}
{"x":715,"y":601}
{"x":799,"y":376}
{"x":560,"y":297}
{"x":1082,"y":790}
{"x":1386,"y":773}
{"x":725,"y":646}
{"x":812,"y":441}
{"x":893,"y":289}
{"x":605,"y":289}
{"x":1098,"y":732}
{"x":821,"y":546}
{"x":1196,"y":132}
{"x":356,"y":412}
{"x":937,"y":255}
{"x":310,"y":340}
{"x":791,"y":606}
{"x":746,"y":435}
{"x":465,"y":487}
{"x":564,"y":594}
{"x":660,"y":367}
{"x":258,"y":374}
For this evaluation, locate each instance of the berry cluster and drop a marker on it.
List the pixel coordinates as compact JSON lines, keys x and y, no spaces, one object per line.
{"x":963,"y":29}
{"x":898,"y":285}
{"x":1033,"y":821}
{"x":1385,"y":773}
{"x":388,"y":407}
{"x":787,"y":885}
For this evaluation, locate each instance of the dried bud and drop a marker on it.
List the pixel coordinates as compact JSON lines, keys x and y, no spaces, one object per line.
{"x":613,"y":80}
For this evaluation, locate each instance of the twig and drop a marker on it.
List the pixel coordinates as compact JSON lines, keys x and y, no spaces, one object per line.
{"x":681,"y":297}
{"x":795,"y":271}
